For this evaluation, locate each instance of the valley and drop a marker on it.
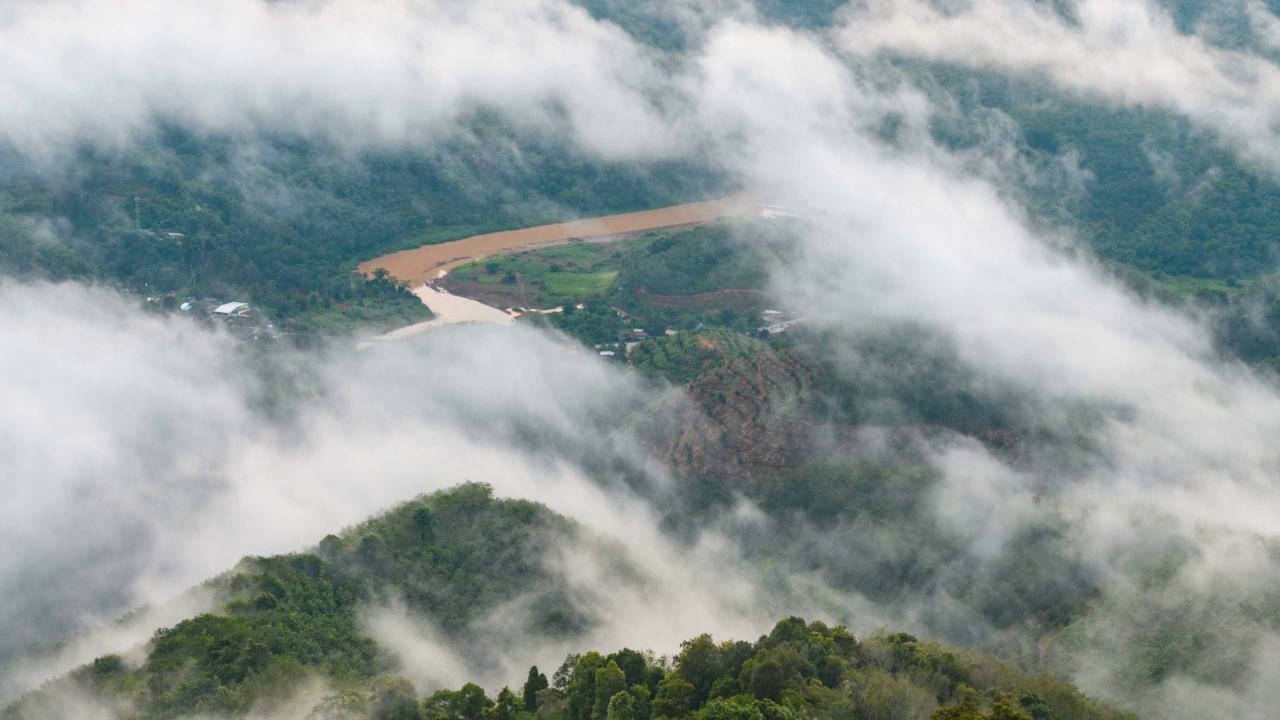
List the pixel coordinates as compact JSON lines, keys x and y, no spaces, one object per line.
{"x":638,"y":360}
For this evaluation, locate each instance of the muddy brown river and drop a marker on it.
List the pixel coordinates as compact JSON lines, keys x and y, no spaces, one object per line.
{"x":428,"y":262}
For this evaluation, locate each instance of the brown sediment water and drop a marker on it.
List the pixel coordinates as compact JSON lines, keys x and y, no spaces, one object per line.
{"x":428,"y":262}
{"x":449,"y":310}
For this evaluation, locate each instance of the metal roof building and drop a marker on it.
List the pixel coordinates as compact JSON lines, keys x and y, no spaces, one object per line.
{"x":231,"y":308}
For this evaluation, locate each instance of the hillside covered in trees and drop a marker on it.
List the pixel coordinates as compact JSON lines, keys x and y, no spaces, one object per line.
{"x":286,"y":622}
{"x":996,"y":364}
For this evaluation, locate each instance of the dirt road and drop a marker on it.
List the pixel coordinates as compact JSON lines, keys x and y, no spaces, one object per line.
{"x":419,"y":265}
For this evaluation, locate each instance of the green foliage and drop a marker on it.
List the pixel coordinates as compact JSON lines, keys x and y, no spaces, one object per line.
{"x":805,"y":670}
{"x":536,"y":683}
{"x":674,"y":698}
{"x":715,"y":271}
{"x":468,"y":703}
{"x":29,"y":248}
{"x":366,"y":314}
{"x":579,"y":285}
{"x":906,"y":375}
{"x":283,"y":221}
{"x":346,"y":705}
{"x":394,"y":698}
{"x":610,"y":681}
{"x":450,"y":556}
{"x":478,"y":551}
{"x":561,"y":275}
{"x":622,"y":706}
{"x":682,"y":357}
{"x":594,"y":324}
{"x":1004,"y":708}
{"x":1159,"y":195}
{"x":1246,"y":323}
{"x":724,"y":255}
{"x":652,"y":23}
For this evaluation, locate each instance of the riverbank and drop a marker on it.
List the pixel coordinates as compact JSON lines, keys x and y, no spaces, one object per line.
{"x":422,"y":265}
{"x":449,"y":309}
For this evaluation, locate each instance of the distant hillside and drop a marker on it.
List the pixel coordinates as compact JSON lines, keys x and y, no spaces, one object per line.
{"x":449,"y":557}
{"x":282,"y":221}
{"x":747,"y":405}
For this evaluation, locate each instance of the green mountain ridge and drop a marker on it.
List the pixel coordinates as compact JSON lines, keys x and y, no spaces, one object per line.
{"x":286,"y":622}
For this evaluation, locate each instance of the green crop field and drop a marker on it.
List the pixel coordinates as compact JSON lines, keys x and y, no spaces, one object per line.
{"x":579,"y":285}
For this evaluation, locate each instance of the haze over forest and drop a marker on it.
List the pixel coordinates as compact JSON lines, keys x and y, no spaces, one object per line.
{"x":965,"y":406}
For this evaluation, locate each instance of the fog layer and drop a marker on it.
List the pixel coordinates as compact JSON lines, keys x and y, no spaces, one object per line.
{"x":141,"y":462}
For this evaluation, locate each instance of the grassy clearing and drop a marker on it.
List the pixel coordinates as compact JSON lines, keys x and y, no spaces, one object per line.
{"x":1190,"y":287}
{"x":1177,"y":289}
{"x":579,"y":284}
{"x":575,"y":272}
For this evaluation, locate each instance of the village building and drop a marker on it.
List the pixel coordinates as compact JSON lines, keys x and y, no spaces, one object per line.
{"x":230,"y":309}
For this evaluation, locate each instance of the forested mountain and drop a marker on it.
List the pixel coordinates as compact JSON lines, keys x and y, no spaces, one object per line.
{"x":449,"y":557}
{"x":994,"y":361}
{"x":290,"y":626}
{"x":1143,"y":186}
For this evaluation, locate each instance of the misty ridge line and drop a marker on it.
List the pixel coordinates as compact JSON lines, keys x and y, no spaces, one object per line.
{"x":1195,"y":431}
{"x":282,"y":505}
{"x":1231,"y":91}
{"x":529,"y":60}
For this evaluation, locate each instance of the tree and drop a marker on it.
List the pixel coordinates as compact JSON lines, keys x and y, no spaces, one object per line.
{"x":580,"y":696}
{"x":393,"y":698}
{"x":699,"y":663}
{"x":346,"y":705}
{"x":610,"y":681}
{"x":564,"y":674}
{"x":721,"y":709}
{"x":1002,"y":709}
{"x":643,"y":706}
{"x":966,"y":710}
{"x":1005,"y":708}
{"x":425,"y":521}
{"x":536,"y":682}
{"x":507,"y":707}
{"x":623,"y":707}
{"x":1036,"y":707}
{"x":331,"y":547}
{"x":633,"y":664}
{"x":767,"y":681}
{"x":674,"y":698}
{"x":467,"y":703}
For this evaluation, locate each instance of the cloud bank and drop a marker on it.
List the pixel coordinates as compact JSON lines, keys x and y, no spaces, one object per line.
{"x":124,"y":432}
{"x":369,"y":73}
{"x":1122,"y":51}
{"x":146,"y":454}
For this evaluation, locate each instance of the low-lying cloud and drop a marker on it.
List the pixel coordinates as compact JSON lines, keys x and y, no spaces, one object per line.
{"x":143,"y":460}
{"x":147,"y":454}
{"x":367,"y":73}
{"x":1122,"y":51}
